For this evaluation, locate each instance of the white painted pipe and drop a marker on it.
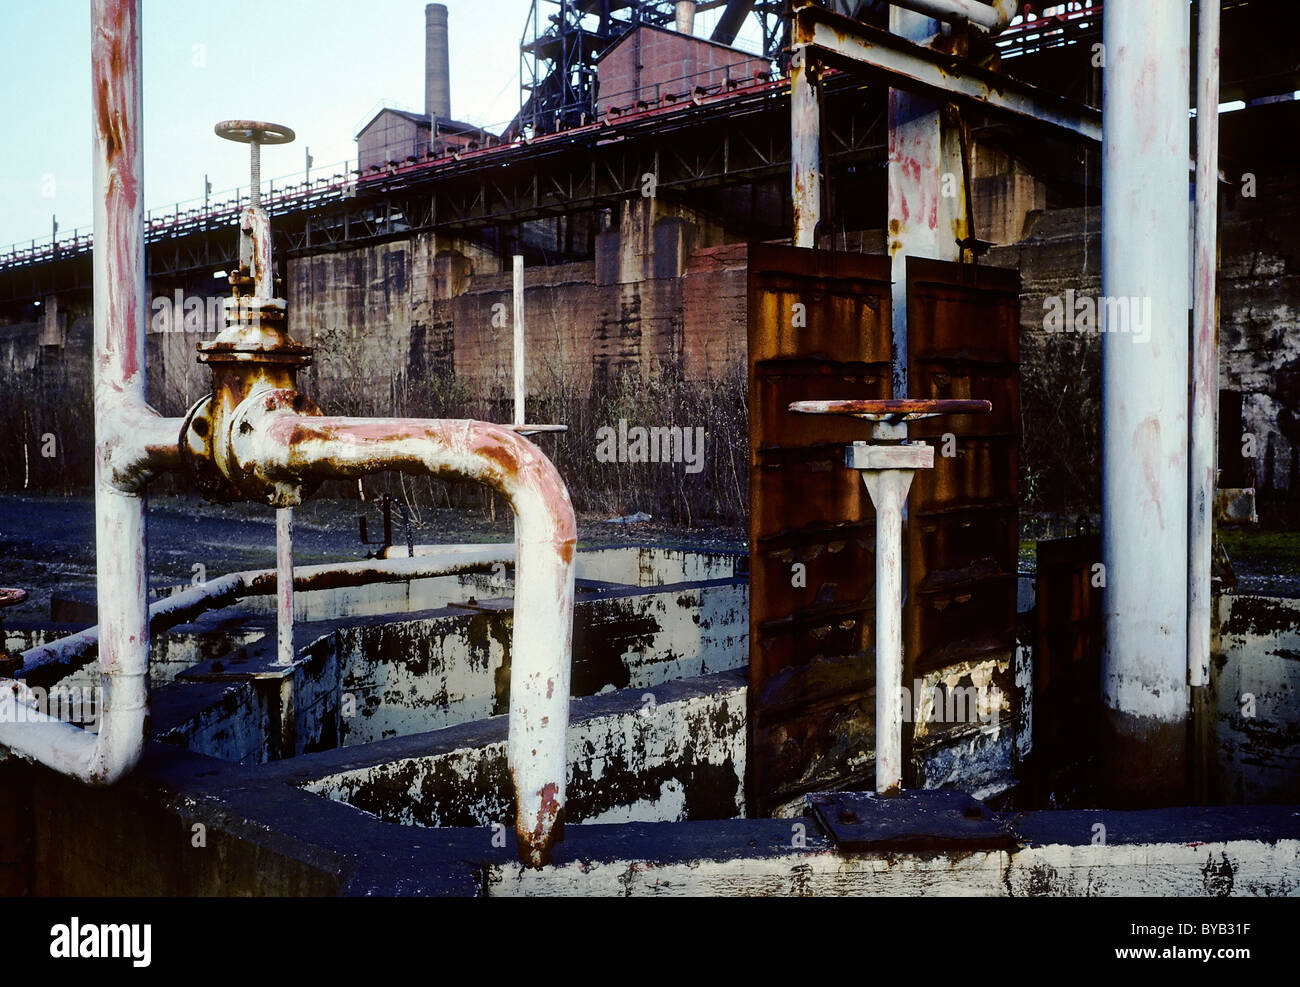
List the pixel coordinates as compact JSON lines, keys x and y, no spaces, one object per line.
{"x":122,"y":447}
{"x":282,"y":447}
{"x":284,"y":586}
{"x":990,"y":18}
{"x":518,"y":321}
{"x":487,"y":553}
{"x":1205,"y":355}
{"x":1145,"y":261}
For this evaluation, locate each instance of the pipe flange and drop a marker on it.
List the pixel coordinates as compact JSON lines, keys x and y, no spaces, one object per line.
{"x":243,"y":428}
{"x":196,"y":455}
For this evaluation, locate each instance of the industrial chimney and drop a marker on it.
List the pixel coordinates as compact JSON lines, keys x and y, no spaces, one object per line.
{"x":437,"y":71}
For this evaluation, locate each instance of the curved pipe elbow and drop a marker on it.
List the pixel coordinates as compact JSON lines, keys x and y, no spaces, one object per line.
{"x":283,"y":449}
{"x":136,"y":443}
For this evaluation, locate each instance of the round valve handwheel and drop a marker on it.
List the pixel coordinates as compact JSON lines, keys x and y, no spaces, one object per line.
{"x":894,"y":410}
{"x":254,"y":132}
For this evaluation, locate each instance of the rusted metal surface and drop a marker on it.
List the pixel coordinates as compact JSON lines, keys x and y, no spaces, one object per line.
{"x":893,"y":410}
{"x":962,"y":543}
{"x":1205,"y":351}
{"x":862,"y":48}
{"x":812,"y":527}
{"x":918,"y":821}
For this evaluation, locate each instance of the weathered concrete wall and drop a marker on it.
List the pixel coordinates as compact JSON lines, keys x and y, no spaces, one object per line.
{"x":1259,"y":309}
{"x":393,"y":659}
{"x":1255,"y":699}
{"x":679,"y":754}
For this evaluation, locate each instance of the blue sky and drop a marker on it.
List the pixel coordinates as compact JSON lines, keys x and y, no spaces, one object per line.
{"x":318,"y":67}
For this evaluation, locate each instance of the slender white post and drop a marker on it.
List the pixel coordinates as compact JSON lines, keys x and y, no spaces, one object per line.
{"x":519,"y":366}
{"x":1205,"y":355}
{"x":887,"y":472}
{"x":284,"y":585}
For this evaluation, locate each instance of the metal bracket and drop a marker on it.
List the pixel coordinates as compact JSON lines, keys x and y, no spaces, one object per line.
{"x":916,"y":819}
{"x":863,"y":49}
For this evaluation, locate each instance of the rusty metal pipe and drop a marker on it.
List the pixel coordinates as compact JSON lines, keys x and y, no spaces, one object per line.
{"x":272,"y":444}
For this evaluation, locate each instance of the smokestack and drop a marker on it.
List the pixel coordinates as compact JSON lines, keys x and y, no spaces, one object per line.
{"x":686,"y":16}
{"x":437,"y":71}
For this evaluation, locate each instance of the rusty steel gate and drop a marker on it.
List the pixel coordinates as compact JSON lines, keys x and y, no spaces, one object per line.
{"x":819,"y":328}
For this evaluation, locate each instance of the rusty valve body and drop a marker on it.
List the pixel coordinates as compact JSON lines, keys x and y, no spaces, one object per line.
{"x":254,"y":361}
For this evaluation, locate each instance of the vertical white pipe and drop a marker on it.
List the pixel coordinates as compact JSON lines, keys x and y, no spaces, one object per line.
{"x":888,"y":490}
{"x":121,"y":556}
{"x":519,"y":354}
{"x":805,"y":149}
{"x":1205,"y":356}
{"x":1145,"y":262}
{"x":284,"y":585}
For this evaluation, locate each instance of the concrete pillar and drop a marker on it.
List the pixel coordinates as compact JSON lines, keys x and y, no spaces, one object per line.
{"x":805,"y":148}
{"x":1144,"y":400}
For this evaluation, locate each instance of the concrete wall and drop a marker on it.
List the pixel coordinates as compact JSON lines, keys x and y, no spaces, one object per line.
{"x":1255,"y":701}
{"x":679,"y":755}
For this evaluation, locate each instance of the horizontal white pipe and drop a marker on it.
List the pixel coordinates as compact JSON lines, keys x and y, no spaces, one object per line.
{"x":70,"y":653}
{"x":490,"y":552}
{"x":988,"y":17}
